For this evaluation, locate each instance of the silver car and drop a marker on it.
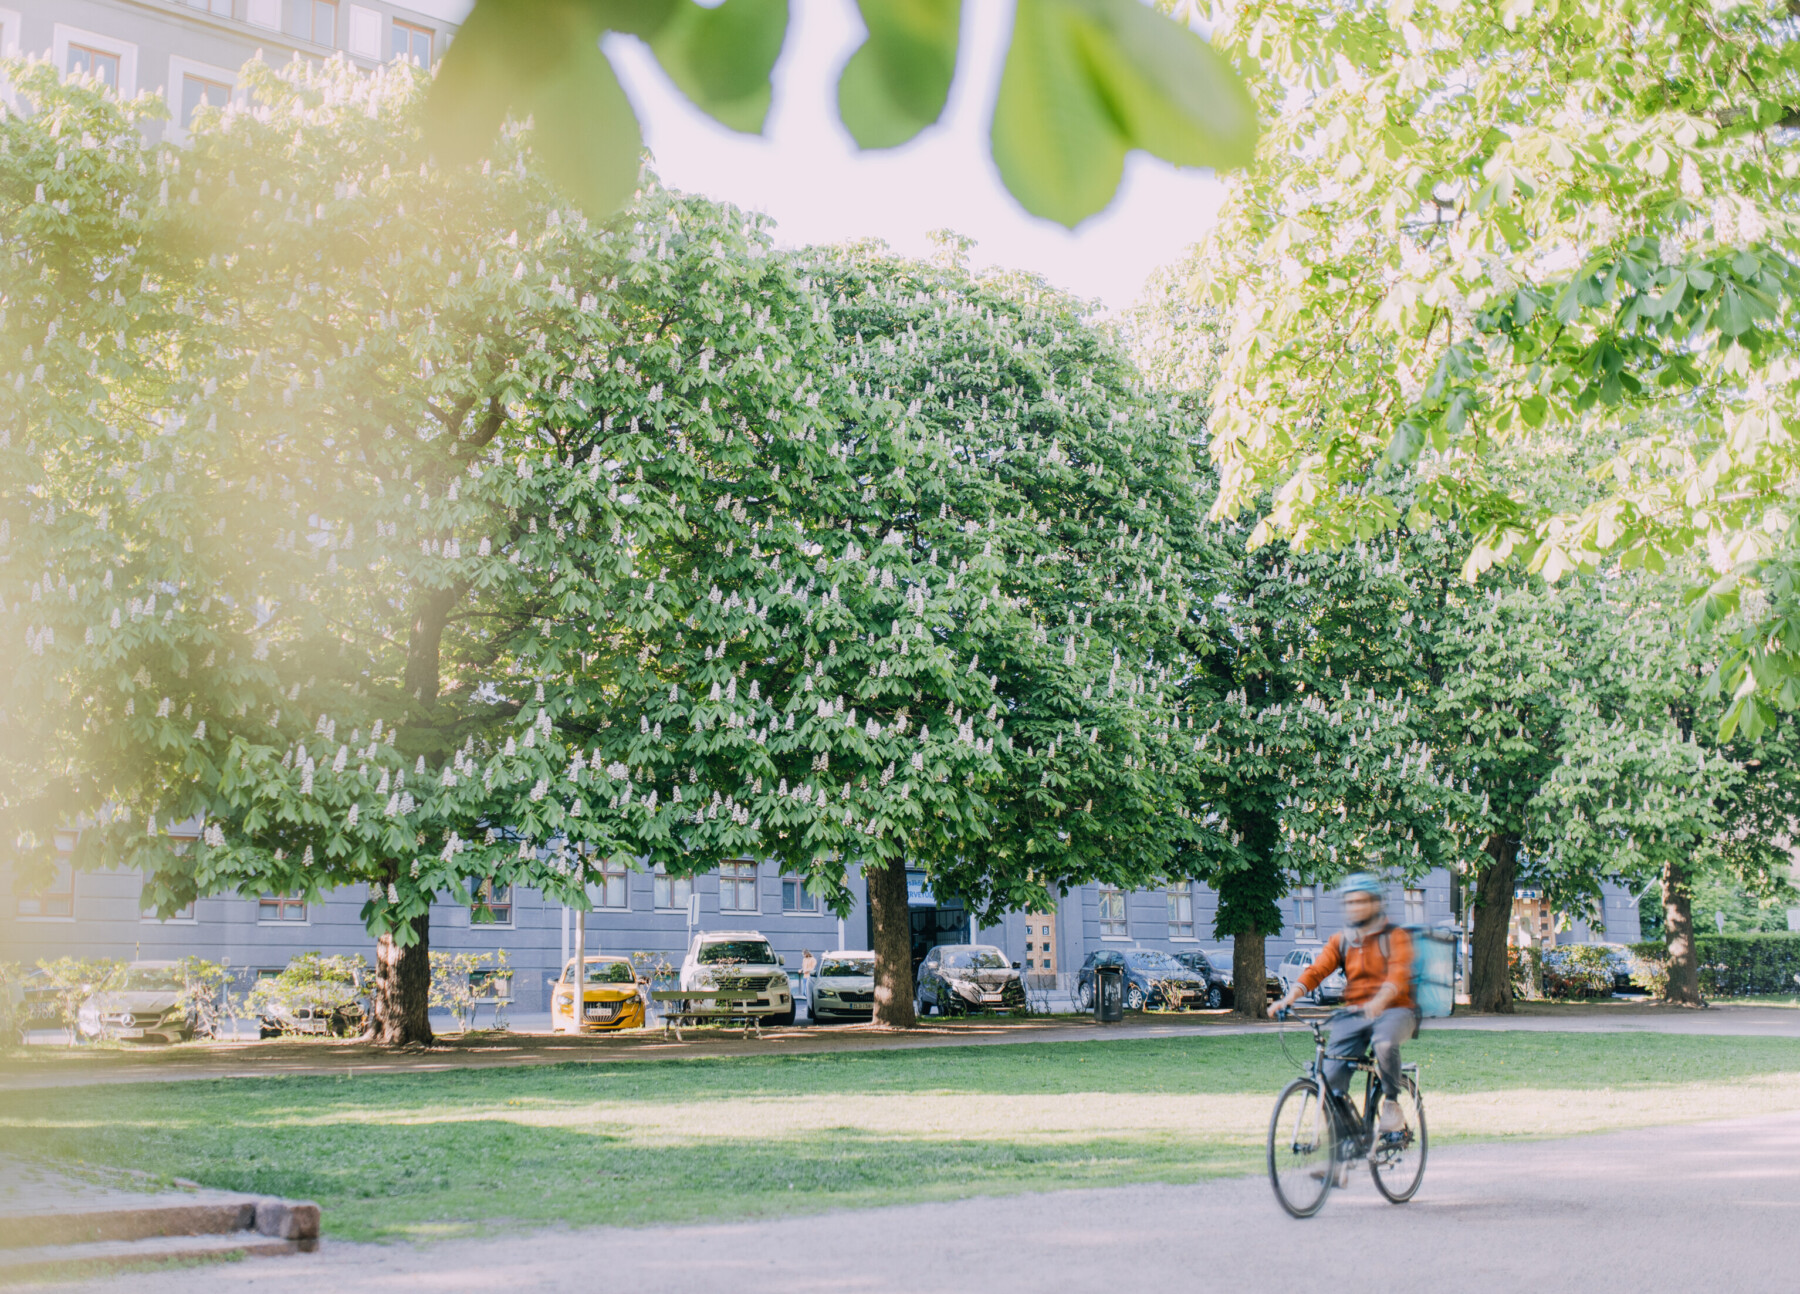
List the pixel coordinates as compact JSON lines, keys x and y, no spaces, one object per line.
{"x":844,"y":987}
{"x":145,"y":1007}
{"x":1331,"y":988}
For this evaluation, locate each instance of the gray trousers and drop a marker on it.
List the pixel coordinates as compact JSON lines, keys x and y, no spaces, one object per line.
{"x":1352,"y":1032}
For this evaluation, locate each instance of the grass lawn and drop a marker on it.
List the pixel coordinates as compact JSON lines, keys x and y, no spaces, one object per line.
{"x":435,"y":1154}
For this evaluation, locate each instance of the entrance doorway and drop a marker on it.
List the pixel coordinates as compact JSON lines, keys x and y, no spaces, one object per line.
{"x":933,"y":920}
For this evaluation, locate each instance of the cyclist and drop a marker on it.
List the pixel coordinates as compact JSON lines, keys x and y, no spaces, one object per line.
{"x":1377,"y":959}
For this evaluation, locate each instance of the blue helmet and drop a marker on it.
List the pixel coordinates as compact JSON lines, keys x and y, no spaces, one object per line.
{"x":1362,"y":883}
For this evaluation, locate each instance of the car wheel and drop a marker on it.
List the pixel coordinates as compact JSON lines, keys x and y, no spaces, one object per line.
{"x":785,"y":1018}
{"x":1215,"y":997}
{"x":1134,"y":998}
{"x":1084,"y":997}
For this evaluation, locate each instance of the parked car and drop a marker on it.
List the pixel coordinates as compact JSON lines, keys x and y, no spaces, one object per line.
{"x":955,"y":978}
{"x":1152,"y":979}
{"x":1216,"y":962}
{"x":740,"y":961}
{"x":145,"y":1007}
{"x":1331,"y":988}
{"x":843,"y":988}
{"x":314,"y":995}
{"x":39,"y":1003}
{"x":610,"y":999}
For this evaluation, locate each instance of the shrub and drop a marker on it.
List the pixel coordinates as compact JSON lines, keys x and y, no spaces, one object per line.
{"x":331,"y":986}
{"x":460,"y":982}
{"x":1736,"y":965}
{"x":1650,"y":966}
{"x":1577,"y":971}
{"x":74,"y":980}
{"x":1525,"y":967}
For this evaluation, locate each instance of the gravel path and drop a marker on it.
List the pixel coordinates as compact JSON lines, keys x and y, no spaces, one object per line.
{"x":36,"y":1069}
{"x":1701,"y":1206}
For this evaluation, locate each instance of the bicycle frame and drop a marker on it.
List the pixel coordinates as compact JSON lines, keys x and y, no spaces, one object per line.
{"x":1355,"y":1128}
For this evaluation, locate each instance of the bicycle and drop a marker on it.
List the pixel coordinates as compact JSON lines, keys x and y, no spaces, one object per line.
{"x":1315,"y":1136}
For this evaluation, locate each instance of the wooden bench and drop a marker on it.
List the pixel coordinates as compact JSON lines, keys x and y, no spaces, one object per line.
{"x":697,"y":1005}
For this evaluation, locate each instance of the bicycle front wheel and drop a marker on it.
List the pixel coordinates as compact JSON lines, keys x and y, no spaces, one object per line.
{"x":1302,"y":1148}
{"x":1397,"y":1159}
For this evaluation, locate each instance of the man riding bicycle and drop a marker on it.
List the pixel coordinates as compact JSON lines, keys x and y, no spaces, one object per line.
{"x":1377,"y":959}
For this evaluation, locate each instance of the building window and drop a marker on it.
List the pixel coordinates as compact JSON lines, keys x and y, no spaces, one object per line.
{"x":314,"y":20}
{"x":493,"y":905}
{"x":180,"y":914}
{"x":281,"y":907}
{"x":1415,"y":907}
{"x":614,"y":886}
{"x":672,"y":892}
{"x":1306,"y":912}
{"x":1181,"y":912}
{"x":199,"y":91}
{"x":412,"y":43}
{"x":795,"y":897}
{"x":56,"y":901}
{"x":737,"y":888}
{"x":1113,"y":924}
{"x":95,"y":62}
{"x":220,"y":7}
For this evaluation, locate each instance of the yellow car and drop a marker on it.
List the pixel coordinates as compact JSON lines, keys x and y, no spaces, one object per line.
{"x":610,"y":1001}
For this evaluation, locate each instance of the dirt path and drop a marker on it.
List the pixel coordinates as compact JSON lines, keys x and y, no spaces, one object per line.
{"x":62,"y":1067}
{"x":1702,"y":1206}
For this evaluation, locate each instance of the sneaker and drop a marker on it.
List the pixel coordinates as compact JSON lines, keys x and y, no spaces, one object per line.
{"x":1392,"y":1118}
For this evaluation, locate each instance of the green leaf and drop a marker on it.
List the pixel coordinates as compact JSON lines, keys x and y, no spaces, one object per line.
{"x":1086,"y":81}
{"x":722,"y":58}
{"x":897,"y":81}
{"x":542,"y":60}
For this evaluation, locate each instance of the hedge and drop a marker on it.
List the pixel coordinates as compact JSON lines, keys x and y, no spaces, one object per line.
{"x":1738,"y":965}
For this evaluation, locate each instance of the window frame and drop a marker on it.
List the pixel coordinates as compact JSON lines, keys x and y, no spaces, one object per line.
{"x":1306,"y":912}
{"x":508,"y":904}
{"x":311,"y":9}
{"x":63,"y":36}
{"x":1413,"y":906}
{"x":1180,"y":897}
{"x":663,"y":887}
{"x":1107,"y":896}
{"x":282,"y":902}
{"x":412,"y":29}
{"x":64,"y":871}
{"x":611,"y":874}
{"x":798,"y":883}
{"x":734,"y":880}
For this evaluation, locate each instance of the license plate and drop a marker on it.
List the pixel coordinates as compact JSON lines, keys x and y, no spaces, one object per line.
{"x":602,"y":1009}
{"x":128,"y":1033}
{"x":991,"y":997}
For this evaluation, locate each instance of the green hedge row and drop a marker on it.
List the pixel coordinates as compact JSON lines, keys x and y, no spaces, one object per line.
{"x":1737,"y":965}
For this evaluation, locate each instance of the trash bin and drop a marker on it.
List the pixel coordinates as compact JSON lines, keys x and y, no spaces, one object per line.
{"x":1109,"y":994}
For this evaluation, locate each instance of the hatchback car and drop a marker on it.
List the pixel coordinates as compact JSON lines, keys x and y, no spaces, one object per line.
{"x":956,"y":978}
{"x":1152,"y":979}
{"x":610,"y":1000}
{"x":1331,"y":988}
{"x":844,"y":987}
{"x":145,"y":1007}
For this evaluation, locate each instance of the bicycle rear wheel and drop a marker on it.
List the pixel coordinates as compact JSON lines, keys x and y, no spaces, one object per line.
{"x":1397,"y":1161}
{"x":1302,"y":1149}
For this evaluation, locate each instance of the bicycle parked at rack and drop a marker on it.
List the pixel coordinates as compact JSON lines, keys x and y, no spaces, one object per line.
{"x":1315,"y":1136}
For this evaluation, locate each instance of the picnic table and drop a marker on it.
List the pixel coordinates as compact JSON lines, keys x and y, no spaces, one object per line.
{"x":693,"y":1006}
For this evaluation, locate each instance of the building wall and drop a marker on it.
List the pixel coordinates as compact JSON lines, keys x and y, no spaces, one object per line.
{"x":181,"y":48}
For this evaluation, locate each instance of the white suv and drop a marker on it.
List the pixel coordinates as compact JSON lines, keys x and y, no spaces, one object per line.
{"x":1331,"y":988}
{"x":742,"y":961}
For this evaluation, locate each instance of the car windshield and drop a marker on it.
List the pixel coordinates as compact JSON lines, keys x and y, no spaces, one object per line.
{"x":852,"y":967}
{"x":607,"y":973}
{"x":737,"y":952}
{"x":151,"y":981}
{"x":975,"y":959}
{"x":1154,"y":961}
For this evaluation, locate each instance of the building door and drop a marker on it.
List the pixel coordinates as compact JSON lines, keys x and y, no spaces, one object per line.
{"x":933,"y":921}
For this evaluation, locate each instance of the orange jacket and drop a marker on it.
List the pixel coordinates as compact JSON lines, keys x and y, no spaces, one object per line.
{"x":1365,"y":970}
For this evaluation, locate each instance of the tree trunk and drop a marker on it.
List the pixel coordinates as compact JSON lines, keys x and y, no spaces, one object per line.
{"x":1683,"y":988}
{"x":1249,"y":975}
{"x":1490,"y":981}
{"x":401,"y":999}
{"x":889,"y":918}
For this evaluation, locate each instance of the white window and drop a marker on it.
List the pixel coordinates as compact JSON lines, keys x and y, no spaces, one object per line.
{"x":613,"y":891}
{"x":412,"y":43}
{"x":737,"y":888}
{"x":1415,"y":907}
{"x":185,"y":915}
{"x":191,"y":86}
{"x":1181,"y":912}
{"x":672,"y":892}
{"x":91,"y":53}
{"x":1113,"y":924}
{"x":492,"y":905}
{"x":281,"y":907}
{"x":219,"y":8}
{"x":55,"y":902}
{"x":1306,"y":912}
{"x":795,"y":897}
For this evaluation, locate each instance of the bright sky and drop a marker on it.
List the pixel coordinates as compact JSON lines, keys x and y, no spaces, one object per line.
{"x":807,"y":175}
